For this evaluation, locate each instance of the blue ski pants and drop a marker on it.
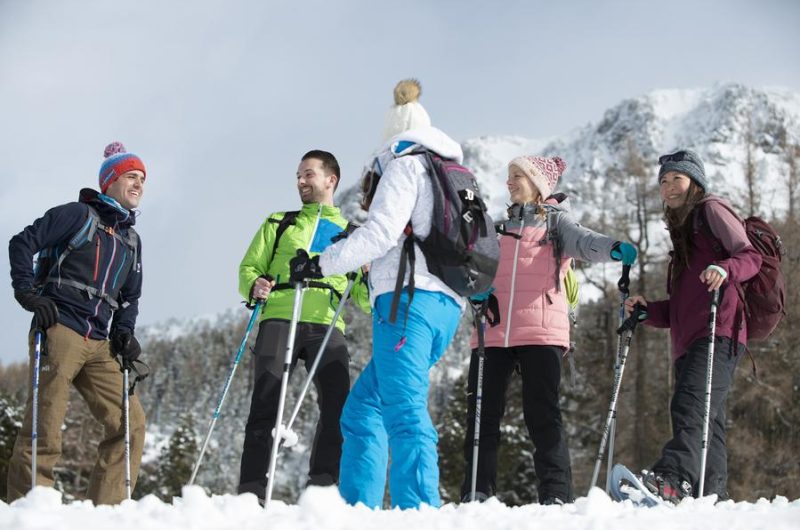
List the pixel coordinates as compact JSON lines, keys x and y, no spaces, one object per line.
{"x":387,"y":409}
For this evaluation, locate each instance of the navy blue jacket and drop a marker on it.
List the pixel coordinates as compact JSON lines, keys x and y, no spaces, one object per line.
{"x":88,"y":316}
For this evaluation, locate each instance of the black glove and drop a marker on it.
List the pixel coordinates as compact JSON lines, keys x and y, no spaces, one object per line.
{"x":43,"y":307}
{"x":302,"y":267}
{"x":126,"y":346}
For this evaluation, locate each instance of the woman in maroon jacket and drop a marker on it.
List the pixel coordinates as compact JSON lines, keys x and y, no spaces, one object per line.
{"x":711,"y":251}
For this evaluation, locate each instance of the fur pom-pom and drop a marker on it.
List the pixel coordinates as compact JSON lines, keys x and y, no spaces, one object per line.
{"x":113,"y":148}
{"x":406,"y":91}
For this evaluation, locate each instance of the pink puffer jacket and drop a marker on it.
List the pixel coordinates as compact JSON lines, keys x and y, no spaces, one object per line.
{"x":533,"y":311}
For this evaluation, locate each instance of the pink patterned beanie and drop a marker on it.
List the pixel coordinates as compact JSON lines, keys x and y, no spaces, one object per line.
{"x":543,"y":172}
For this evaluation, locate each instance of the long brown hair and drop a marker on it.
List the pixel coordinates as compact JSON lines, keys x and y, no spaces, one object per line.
{"x":680,"y":223}
{"x":369,"y":183}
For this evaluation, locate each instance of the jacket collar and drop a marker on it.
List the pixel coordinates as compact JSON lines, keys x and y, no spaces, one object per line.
{"x":110,"y":211}
{"x":554,"y":203}
{"x":327,"y":211}
{"x":517,"y":211}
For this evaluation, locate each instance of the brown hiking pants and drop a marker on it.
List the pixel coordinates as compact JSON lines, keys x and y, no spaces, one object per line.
{"x":88,"y":365}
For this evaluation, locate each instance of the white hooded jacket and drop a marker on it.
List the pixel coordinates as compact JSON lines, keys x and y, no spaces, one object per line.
{"x":404,"y":194}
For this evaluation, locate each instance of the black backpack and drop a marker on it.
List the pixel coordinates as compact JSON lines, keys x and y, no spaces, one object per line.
{"x":49,"y":262}
{"x":462,"y":248}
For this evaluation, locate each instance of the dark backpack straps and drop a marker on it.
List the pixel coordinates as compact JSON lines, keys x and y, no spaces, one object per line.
{"x":473,"y":218}
{"x":132,"y":240}
{"x":407,"y":255}
{"x":288,"y":219}
{"x":720,"y":253}
{"x":344,"y":234}
{"x":86,"y":233}
{"x":500,"y":228}
{"x":493,"y":310}
{"x":716,"y":244}
{"x":83,"y":236}
{"x":315,"y":284}
{"x":552,"y":235}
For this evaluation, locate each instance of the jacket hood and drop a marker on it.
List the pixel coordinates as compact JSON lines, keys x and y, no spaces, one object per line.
{"x":109,"y":209}
{"x":406,"y":142}
{"x":430,"y":138}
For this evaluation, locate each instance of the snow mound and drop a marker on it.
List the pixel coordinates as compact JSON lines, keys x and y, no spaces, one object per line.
{"x":321,"y":508}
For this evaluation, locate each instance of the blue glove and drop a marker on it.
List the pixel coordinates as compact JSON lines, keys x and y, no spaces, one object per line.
{"x":623,"y":251}
{"x":482,"y":297}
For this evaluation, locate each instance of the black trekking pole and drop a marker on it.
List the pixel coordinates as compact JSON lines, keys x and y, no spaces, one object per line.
{"x":286,"y":432}
{"x":712,"y":328}
{"x":287,"y":363}
{"x":629,"y":325}
{"x":253,"y":317}
{"x":480,"y":325}
{"x":37,"y":360}
{"x":624,"y":291}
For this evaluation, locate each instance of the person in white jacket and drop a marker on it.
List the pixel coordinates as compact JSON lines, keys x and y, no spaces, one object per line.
{"x":387,"y":407}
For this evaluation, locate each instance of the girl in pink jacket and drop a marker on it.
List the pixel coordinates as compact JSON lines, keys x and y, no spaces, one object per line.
{"x":537,"y":243}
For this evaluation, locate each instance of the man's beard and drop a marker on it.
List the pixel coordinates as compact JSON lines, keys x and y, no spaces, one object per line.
{"x":312,"y":197}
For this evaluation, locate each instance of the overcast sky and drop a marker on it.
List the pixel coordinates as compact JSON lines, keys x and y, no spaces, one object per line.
{"x":221,"y":99}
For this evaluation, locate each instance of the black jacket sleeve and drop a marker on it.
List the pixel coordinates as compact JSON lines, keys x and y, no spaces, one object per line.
{"x":57,"y":225}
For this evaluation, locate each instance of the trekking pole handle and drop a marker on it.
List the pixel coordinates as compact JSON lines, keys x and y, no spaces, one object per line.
{"x":638,"y":314}
{"x":624,"y":280}
{"x":712,"y":314}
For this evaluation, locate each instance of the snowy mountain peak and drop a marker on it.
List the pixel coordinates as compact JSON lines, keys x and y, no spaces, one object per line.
{"x":739,"y":131}
{"x":735,"y":129}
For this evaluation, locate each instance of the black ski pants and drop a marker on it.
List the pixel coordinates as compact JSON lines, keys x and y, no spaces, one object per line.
{"x":540,"y":369}
{"x":332,"y":382}
{"x":681,"y":456}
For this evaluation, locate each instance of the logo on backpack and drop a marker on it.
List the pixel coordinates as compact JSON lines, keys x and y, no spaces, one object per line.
{"x":763,"y":295}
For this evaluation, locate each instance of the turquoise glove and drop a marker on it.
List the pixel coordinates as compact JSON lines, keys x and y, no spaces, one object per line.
{"x":623,"y":251}
{"x":482,"y":297}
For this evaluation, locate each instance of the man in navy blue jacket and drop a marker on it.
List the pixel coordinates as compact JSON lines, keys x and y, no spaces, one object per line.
{"x":84,"y":294}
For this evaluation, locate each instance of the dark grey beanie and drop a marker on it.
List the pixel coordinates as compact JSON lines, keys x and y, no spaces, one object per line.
{"x":687,"y":162}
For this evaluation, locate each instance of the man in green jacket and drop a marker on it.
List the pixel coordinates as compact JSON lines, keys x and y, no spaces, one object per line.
{"x":264,"y":272}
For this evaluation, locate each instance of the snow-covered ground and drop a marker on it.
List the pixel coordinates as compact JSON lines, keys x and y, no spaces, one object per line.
{"x":323,"y":509}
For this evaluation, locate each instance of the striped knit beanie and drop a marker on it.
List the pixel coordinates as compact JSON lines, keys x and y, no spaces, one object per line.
{"x":117,"y":162}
